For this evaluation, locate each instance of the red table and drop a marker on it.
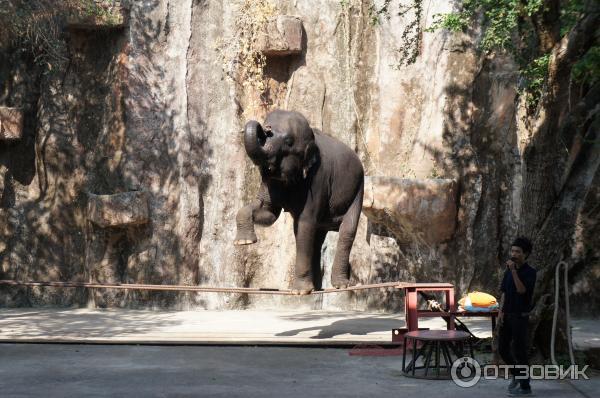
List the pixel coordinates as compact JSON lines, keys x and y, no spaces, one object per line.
{"x":411,"y":311}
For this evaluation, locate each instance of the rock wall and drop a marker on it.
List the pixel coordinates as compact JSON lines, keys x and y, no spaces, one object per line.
{"x":153,"y":107}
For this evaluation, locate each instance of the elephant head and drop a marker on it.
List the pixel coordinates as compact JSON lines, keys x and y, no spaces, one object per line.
{"x":284,"y":148}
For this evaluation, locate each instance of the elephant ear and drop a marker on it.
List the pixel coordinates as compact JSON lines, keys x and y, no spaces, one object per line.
{"x":311,"y":158}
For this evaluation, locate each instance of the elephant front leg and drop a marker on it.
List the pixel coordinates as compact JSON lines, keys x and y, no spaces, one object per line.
{"x":340,"y":272}
{"x":247,"y":216}
{"x":245,"y":224}
{"x":303,"y":276}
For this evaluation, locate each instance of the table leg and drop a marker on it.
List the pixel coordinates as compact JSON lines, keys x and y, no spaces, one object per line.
{"x":414,"y":353}
{"x":447,"y":356}
{"x":410,"y":303}
{"x":404,"y":355}
{"x":451,"y":307}
{"x":428,"y":358}
{"x":471,"y":349}
{"x":437,"y":359}
{"x":454,"y":348}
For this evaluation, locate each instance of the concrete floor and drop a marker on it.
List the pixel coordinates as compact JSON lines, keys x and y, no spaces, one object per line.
{"x":209,"y":327}
{"x":124,"y":369}
{"x":56,"y":370}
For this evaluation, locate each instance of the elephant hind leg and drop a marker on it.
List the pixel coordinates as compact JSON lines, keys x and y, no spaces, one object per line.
{"x":317,"y":271}
{"x":340,"y":273}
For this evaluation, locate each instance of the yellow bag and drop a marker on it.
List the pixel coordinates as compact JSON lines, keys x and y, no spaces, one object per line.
{"x":480,"y":299}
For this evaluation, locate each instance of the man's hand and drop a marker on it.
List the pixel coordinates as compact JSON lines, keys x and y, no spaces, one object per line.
{"x":511,"y":265}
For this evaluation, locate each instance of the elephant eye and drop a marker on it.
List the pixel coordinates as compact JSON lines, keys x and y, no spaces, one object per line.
{"x":289,"y":140}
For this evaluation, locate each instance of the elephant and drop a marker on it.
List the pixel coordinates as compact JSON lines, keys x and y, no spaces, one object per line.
{"x":317,"y":179}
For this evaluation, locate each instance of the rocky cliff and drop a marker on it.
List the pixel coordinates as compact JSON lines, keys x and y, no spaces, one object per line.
{"x":157,"y":105}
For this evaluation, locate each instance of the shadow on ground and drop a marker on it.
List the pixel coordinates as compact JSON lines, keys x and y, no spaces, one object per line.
{"x":98,"y":324}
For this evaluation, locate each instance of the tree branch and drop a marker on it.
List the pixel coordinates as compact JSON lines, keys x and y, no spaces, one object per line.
{"x":573,"y":45}
{"x":546,"y":23}
{"x":571,"y":129}
{"x":557,"y":228}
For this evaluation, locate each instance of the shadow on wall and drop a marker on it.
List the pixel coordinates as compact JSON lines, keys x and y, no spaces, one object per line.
{"x":160,"y":154}
{"x":89,"y":139}
{"x":479,"y":153}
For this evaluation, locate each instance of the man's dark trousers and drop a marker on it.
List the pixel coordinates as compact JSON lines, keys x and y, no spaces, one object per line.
{"x":514,"y":330}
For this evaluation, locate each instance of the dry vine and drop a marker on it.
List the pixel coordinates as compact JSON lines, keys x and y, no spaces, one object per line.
{"x":240,"y":55}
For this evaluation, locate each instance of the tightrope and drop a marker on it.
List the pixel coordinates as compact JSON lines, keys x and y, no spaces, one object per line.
{"x":199,"y":289}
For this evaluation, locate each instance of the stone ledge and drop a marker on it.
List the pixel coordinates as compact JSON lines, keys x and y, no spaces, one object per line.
{"x":104,"y":15}
{"x":412,"y":209}
{"x":11,"y":123}
{"x":282,"y":36}
{"x":118,"y":210}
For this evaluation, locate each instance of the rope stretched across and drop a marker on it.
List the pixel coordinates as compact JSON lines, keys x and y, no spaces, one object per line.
{"x":199,"y":289}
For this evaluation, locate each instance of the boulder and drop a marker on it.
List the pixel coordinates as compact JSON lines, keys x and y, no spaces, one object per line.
{"x":99,"y":15}
{"x":11,"y":123}
{"x":118,"y":210}
{"x":412,"y":209}
{"x":282,"y":36}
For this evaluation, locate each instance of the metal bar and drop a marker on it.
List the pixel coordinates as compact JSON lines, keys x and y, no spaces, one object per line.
{"x":437,"y":358}
{"x":428,"y":358}
{"x":447,"y":356}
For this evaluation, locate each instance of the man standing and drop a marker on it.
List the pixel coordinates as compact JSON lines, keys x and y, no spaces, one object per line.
{"x":517,"y":289}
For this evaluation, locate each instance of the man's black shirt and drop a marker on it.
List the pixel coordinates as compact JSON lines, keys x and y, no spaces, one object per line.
{"x":514,"y":302}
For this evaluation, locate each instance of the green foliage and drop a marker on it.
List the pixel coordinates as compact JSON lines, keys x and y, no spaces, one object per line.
{"x":375,"y":13}
{"x":508,"y":27}
{"x":94,"y":9}
{"x":534,"y":75}
{"x":569,"y":15}
{"x":412,"y":34}
{"x":408,"y":50}
{"x":587,"y":69}
{"x":500,"y":19}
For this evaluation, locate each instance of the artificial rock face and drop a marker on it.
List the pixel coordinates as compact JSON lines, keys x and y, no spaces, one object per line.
{"x":118,"y":210}
{"x":282,"y":36}
{"x":422,"y":209}
{"x":11,"y":123}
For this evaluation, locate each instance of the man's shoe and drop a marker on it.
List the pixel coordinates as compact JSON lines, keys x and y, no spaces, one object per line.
{"x":514,"y":384}
{"x":518,"y":392}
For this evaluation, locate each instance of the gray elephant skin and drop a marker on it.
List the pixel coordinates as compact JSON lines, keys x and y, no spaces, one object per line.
{"x":317,"y":179}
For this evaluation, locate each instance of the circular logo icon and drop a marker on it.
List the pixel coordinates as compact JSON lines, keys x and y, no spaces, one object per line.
{"x":465,"y":372}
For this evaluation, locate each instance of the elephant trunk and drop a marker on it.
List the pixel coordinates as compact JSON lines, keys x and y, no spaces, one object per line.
{"x":254,"y":140}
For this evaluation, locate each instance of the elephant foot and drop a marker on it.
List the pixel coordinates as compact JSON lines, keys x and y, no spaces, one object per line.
{"x":302,"y":287}
{"x":340,"y":282}
{"x":245,"y":238}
